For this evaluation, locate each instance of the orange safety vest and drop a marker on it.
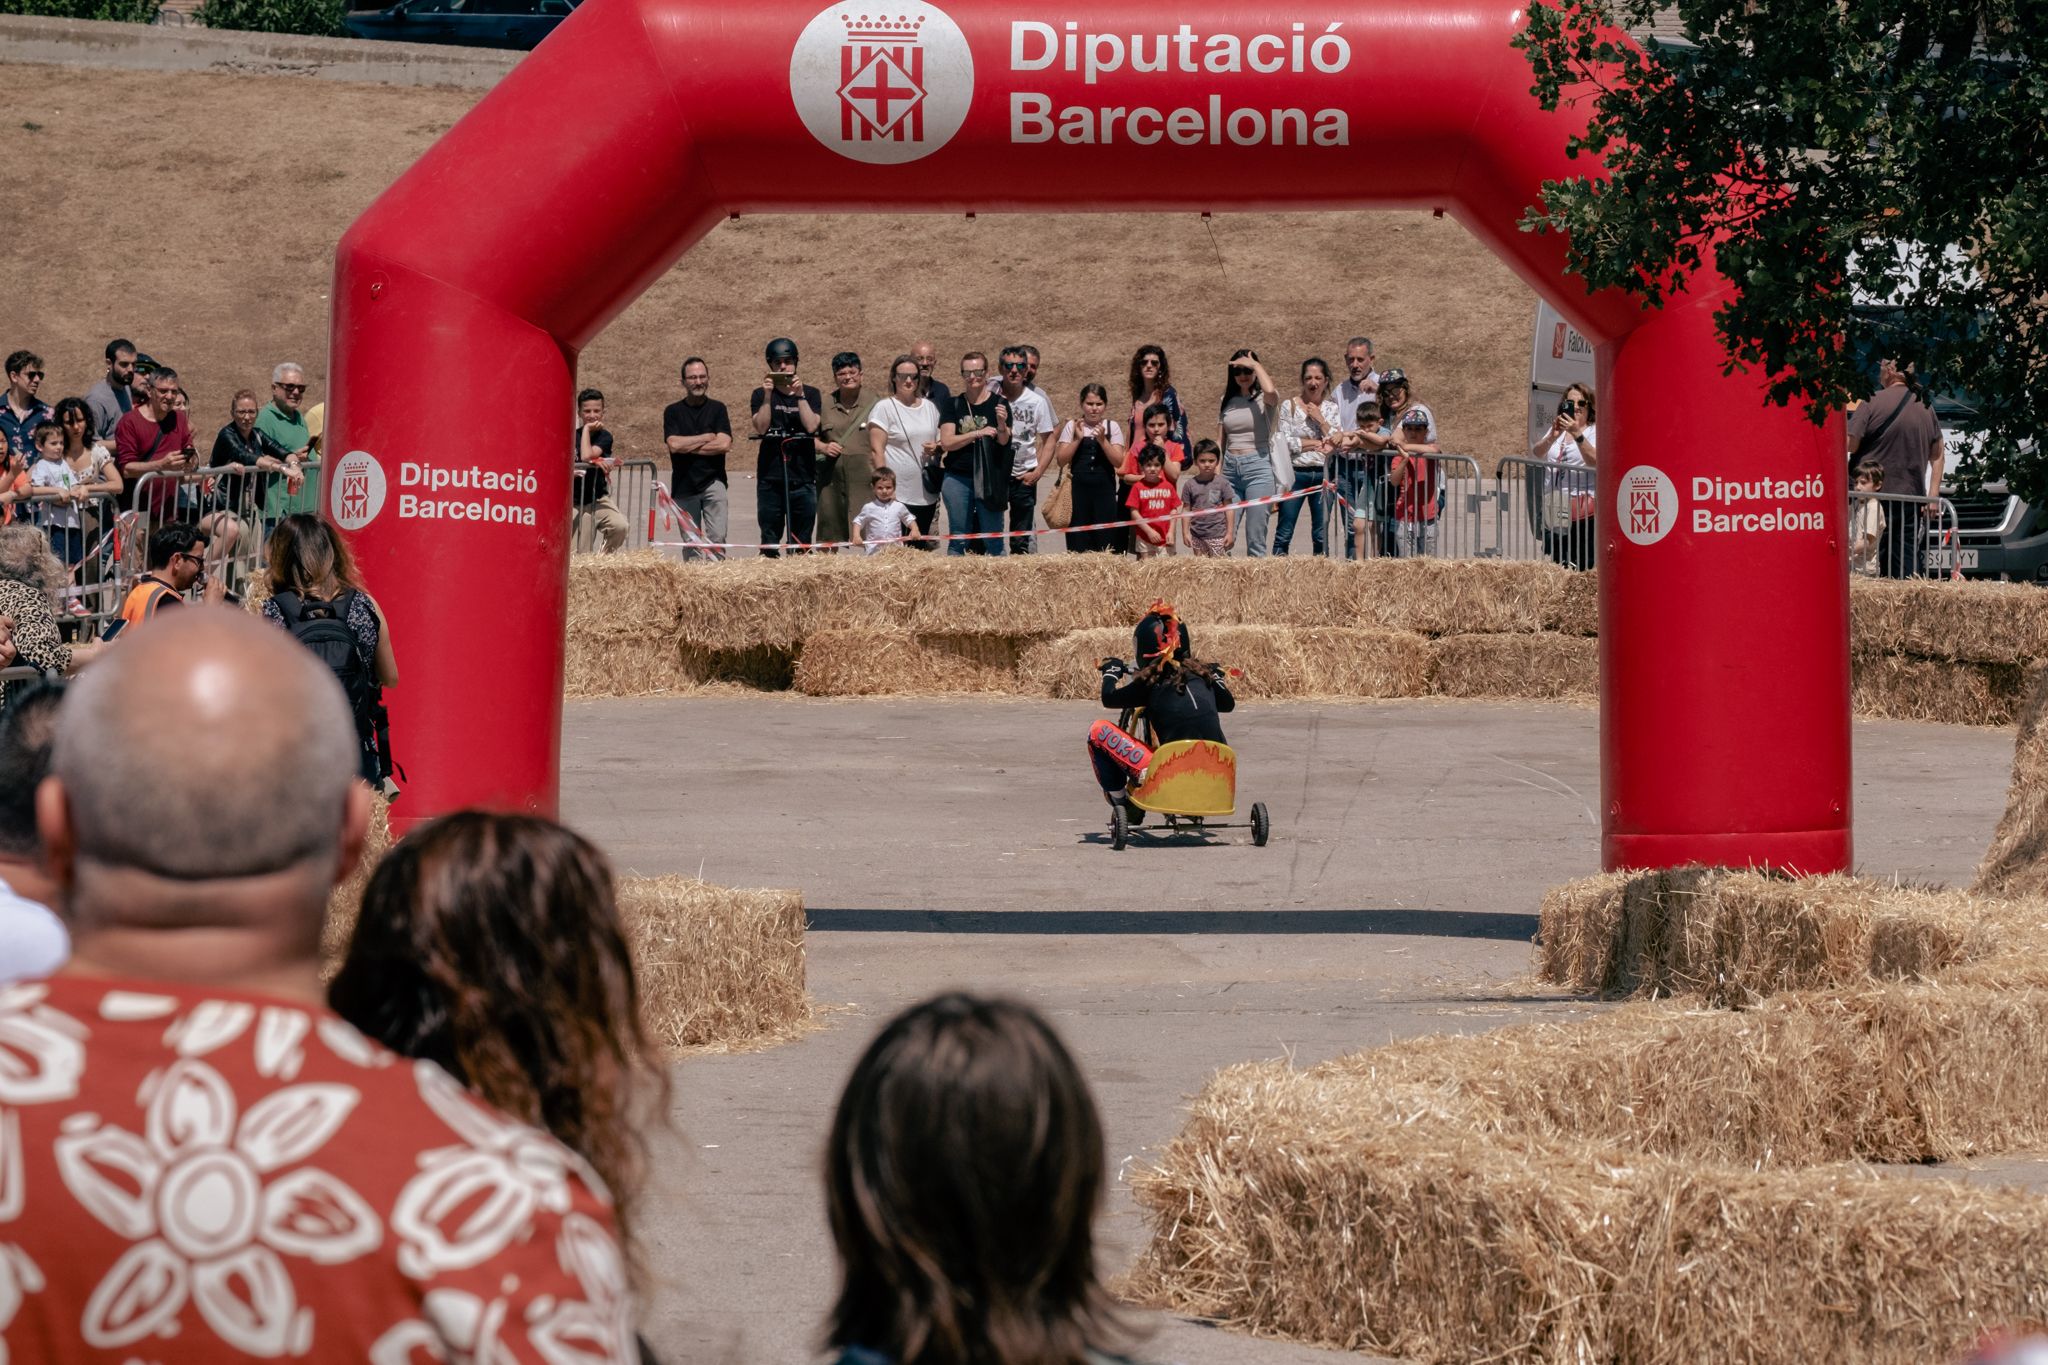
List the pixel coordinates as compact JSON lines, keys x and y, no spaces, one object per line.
{"x":145,"y":598}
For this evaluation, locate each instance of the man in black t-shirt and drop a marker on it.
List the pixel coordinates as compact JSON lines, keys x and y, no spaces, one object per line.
{"x":594,"y":514}
{"x":699,"y":436}
{"x":786,"y":478}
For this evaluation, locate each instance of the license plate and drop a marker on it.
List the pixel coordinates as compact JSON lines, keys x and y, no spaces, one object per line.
{"x":1939,"y":558}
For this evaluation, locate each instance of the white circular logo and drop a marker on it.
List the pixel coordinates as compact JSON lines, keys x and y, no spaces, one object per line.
{"x":882,"y":83}
{"x":355,"y":490}
{"x":1647,"y":505}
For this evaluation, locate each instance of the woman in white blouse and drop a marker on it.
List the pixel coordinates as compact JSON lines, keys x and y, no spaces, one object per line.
{"x":1567,"y":498}
{"x":903,"y":437}
{"x":1308,"y":427}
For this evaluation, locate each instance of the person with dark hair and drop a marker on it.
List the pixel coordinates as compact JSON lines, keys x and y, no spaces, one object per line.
{"x":594,"y":513}
{"x":1152,"y":382}
{"x":962,"y":1180}
{"x":785,"y":417}
{"x":1308,"y":431}
{"x":111,"y":398}
{"x":843,"y":469}
{"x":32,"y":939}
{"x":1091,"y":448}
{"x":177,"y":561}
{"x":1031,"y":427}
{"x":491,"y":945}
{"x":315,"y":594}
{"x":903,"y":435}
{"x":85,"y":471}
{"x":1246,"y":415}
{"x":974,"y":436}
{"x":1182,"y":699}
{"x":154,"y":438}
{"x":22,"y":412}
{"x":698,"y":434}
{"x":211,"y":1164}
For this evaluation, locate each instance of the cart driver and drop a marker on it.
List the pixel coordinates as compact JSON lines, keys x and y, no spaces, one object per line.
{"x":1182,"y":699}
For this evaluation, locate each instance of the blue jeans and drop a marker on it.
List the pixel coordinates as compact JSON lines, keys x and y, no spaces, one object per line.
{"x":1251,"y":476}
{"x":1290,"y":512}
{"x":966,"y":513}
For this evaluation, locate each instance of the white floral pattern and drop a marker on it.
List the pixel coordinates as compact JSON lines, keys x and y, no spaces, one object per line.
{"x":42,"y":1050}
{"x":209,"y":1228}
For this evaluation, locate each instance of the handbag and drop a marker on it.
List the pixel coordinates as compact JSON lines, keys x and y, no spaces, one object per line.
{"x":1059,"y":508}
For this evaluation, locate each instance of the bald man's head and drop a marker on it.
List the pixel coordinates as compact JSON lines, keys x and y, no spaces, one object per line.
{"x":210,"y":746}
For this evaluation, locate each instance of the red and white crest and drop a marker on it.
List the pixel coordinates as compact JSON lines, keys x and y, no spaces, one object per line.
{"x":882,"y":85}
{"x":881,"y":89}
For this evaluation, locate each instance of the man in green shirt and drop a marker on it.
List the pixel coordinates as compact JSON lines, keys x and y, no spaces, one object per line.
{"x":844,"y":481}
{"x":283,"y":421}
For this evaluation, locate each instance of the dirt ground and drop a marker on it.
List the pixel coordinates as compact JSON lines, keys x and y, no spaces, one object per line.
{"x":252,"y":179}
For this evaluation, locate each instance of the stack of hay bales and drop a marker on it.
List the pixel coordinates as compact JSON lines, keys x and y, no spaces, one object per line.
{"x":1961,"y":653}
{"x":719,"y":969}
{"x":621,"y":627}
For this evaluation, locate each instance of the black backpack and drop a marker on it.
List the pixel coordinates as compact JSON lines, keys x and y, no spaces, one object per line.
{"x":323,"y":628}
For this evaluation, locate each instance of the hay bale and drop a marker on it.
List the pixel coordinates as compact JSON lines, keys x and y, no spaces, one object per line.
{"x":899,"y":663}
{"x":1541,"y":667}
{"x":623,"y":665}
{"x":718,"y":968}
{"x":740,"y":604}
{"x":1005,"y":595}
{"x":2016,"y":864}
{"x":765,"y":668}
{"x":1576,"y":608}
{"x":1456,"y":596}
{"x":1976,"y":622}
{"x":1272,"y":662}
{"x":1733,"y":937}
{"x":1890,"y":687}
{"x":345,"y":902}
{"x":623,"y":594}
{"x":1624,"y":1188}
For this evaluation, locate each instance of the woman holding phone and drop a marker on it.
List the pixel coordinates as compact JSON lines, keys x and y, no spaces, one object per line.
{"x":1568,"y":502}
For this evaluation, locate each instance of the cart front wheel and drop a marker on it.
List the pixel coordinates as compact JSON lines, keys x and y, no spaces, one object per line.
{"x":1262,"y":824}
{"x":1120,"y":827}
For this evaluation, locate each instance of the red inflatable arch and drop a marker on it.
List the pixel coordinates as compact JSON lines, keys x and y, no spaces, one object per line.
{"x":463,"y":294}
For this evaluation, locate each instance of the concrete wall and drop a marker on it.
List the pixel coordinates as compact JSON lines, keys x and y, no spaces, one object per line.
{"x":188,"y":47}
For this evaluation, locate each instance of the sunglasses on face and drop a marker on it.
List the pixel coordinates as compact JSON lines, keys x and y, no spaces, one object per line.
{"x":1013,"y":364}
{"x":293,"y":389}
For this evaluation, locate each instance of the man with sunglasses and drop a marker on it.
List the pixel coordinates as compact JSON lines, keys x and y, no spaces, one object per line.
{"x":23,"y":412}
{"x":283,"y":420}
{"x":177,"y":560}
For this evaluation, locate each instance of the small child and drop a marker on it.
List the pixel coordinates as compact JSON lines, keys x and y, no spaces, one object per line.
{"x":884,"y":521}
{"x":1210,"y":533}
{"x":1866,"y":527}
{"x":1155,"y":501}
{"x":1414,"y":480}
{"x":14,"y":484}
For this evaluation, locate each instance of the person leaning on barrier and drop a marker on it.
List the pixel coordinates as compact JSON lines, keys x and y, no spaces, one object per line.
{"x":593,"y":513}
{"x":33,"y":941}
{"x":283,"y":420}
{"x":212,"y":1165}
{"x":1896,"y":429}
{"x":93,"y":480}
{"x":155,"y":438}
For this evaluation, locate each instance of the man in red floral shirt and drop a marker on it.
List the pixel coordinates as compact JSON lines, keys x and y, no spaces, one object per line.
{"x":200,"y":1162}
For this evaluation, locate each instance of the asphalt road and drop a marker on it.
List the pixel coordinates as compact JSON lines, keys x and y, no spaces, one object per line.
{"x":953,"y":843}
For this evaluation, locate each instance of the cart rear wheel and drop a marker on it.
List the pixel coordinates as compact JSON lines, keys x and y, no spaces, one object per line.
{"x":1262,"y":824}
{"x":1119,"y":826}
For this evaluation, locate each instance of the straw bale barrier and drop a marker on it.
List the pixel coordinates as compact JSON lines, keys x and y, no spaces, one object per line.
{"x":2017,"y":862}
{"x":1733,"y":937}
{"x":1627,"y":1188}
{"x":1893,"y":687}
{"x":1986,"y":623}
{"x":1545,"y":667}
{"x":891,"y":663}
{"x":1271,"y":662}
{"x":718,"y":968}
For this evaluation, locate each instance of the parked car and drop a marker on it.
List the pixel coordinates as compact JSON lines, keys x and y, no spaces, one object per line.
{"x":469,"y":23}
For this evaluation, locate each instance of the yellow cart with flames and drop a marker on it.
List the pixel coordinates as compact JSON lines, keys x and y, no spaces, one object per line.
{"x":1193,"y":783}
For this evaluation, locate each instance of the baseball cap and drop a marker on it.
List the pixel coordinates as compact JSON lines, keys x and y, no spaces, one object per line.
{"x":1415,"y":417}
{"x":1390,"y":378}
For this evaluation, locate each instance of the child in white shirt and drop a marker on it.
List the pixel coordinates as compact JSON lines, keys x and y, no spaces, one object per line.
{"x":884,"y":521}
{"x":1866,"y":525}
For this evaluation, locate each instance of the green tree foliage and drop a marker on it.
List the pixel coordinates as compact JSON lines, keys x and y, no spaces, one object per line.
{"x":1822,"y":151}
{"x":320,"y":18}
{"x":120,"y":11}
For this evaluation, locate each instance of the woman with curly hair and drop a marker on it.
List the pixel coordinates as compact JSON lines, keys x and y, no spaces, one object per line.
{"x":962,"y":1180}
{"x":31,"y":580}
{"x":492,"y":946}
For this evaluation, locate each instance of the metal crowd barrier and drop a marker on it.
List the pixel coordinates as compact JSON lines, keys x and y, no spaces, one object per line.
{"x":1544,"y":511}
{"x":632,"y":492}
{"x":1462,"y":501}
{"x":1911,"y":543}
{"x":239,"y":505}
